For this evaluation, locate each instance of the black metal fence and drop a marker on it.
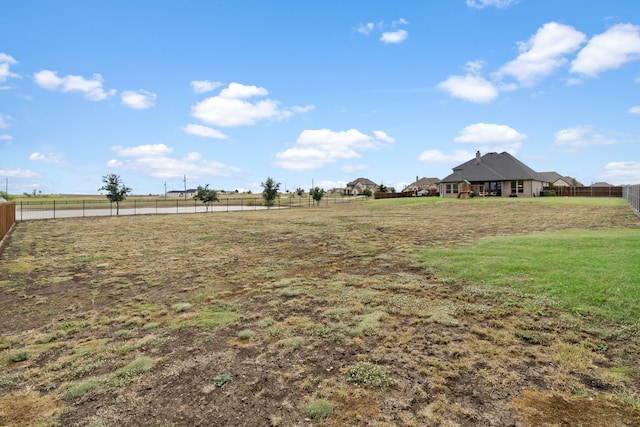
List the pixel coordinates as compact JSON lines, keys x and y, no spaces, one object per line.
{"x":68,"y":208}
{"x":631,"y":193}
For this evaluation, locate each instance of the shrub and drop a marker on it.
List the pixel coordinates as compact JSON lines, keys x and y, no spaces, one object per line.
{"x":369,"y":375}
{"x":222,"y":379}
{"x":319,"y":409}
{"x":181,"y":306}
{"x":293,"y":343}
{"x":246,"y":334}
{"x":18,"y":356}
{"x":79,"y":389}
{"x":267,"y":321}
{"x":135,"y":368}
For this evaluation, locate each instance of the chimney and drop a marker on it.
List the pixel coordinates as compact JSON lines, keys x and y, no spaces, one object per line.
{"x":478,"y":157}
{"x":417,"y":178}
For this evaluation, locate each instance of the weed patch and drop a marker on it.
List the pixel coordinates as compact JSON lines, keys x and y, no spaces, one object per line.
{"x":319,"y":409}
{"x":369,"y":375}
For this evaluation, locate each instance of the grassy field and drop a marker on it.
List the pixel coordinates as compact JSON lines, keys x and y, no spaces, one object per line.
{"x":408,"y":312}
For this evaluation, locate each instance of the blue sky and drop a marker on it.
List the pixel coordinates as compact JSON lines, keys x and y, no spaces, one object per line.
{"x":229,"y":93}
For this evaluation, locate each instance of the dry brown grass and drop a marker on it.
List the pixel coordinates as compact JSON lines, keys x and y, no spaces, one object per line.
{"x":140,"y":315}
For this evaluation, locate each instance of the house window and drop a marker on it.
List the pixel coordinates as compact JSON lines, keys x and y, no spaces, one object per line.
{"x":451,"y":188}
{"x":494,"y":188}
{"x":517,"y":187}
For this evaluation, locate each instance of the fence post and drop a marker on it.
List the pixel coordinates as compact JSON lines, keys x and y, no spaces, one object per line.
{"x":54,"y":209}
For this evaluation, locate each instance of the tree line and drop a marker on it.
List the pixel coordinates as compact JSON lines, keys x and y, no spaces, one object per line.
{"x":117,"y":191}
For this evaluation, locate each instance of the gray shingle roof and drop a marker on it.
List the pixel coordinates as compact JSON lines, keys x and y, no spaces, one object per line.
{"x":363,"y":181}
{"x":493,"y":167}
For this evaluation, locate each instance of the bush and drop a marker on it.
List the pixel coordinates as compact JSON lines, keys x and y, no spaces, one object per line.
{"x":222,"y":379}
{"x":18,"y":356}
{"x":370,"y":375}
{"x":319,"y":409}
{"x":246,"y":334}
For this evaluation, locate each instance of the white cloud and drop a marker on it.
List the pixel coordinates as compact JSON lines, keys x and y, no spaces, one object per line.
{"x":18,"y":173}
{"x":613,"y":48}
{"x":315,"y":149}
{"x":302,"y":110}
{"x":140,"y":100}
{"x":437,"y":156}
{"x":202,"y":86}
{"x":44,"y":158}
{"x":4,"y":121}
{"x":470,"y":88}
{"x":543,"y":53}
{"x":148,"y":150}
{"x":481,"y":4}
{"x":489,"y":133}
{"x":7,"y":138}
{"x":619,"y":173}
{"x":394,"y":37}
{"x":92,"y":88}
{"x":382,"y":136}
{"x":233,"y":107}
{"x":154,"y":161}
{"x":389,"y":34}
{"x":572,"y":139}
{"x":240,"y":91}
{"x":635,"y":109}
{"x":203,"y":131}
{"x":366,"y":28}
{"x":6,"y":62}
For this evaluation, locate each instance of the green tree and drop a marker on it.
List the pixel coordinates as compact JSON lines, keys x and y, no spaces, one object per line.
{"x":116,"y":190}
{"x":367,"y":192}
{"x":206,"y":195}
{"x":5,"y":195}
{"x":317,"y":194}
{"x":382,"y":188}
{"x":270,"y":191}
{"x":299,"y":191}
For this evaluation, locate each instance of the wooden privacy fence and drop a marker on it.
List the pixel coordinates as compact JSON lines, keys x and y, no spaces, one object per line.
{"x":586,"y":191}
{"x":7,"y":217}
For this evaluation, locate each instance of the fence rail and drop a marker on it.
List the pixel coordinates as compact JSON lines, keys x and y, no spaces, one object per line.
{"x":586,"y":191}
{"x":631,"y":193}
{"x":7,"y":217}
{"x":56,"y":209}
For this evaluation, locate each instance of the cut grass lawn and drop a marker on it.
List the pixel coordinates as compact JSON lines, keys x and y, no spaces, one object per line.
{"x":589,"y":272}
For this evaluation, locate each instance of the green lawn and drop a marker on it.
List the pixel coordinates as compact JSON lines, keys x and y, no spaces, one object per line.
{"x":590,"y":272}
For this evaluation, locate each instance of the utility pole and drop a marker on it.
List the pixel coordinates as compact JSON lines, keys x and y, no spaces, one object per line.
{"x":185,"y":187}
{"x":165,"y":190}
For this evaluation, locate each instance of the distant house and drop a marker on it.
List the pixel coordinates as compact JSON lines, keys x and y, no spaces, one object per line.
{"x":423,"y":186}
{"x":357,"y":186}
{"x":190,"y":193}
{"x":494,"y":174}
{"x":602,"y":184}
{"x":554,"y":179}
